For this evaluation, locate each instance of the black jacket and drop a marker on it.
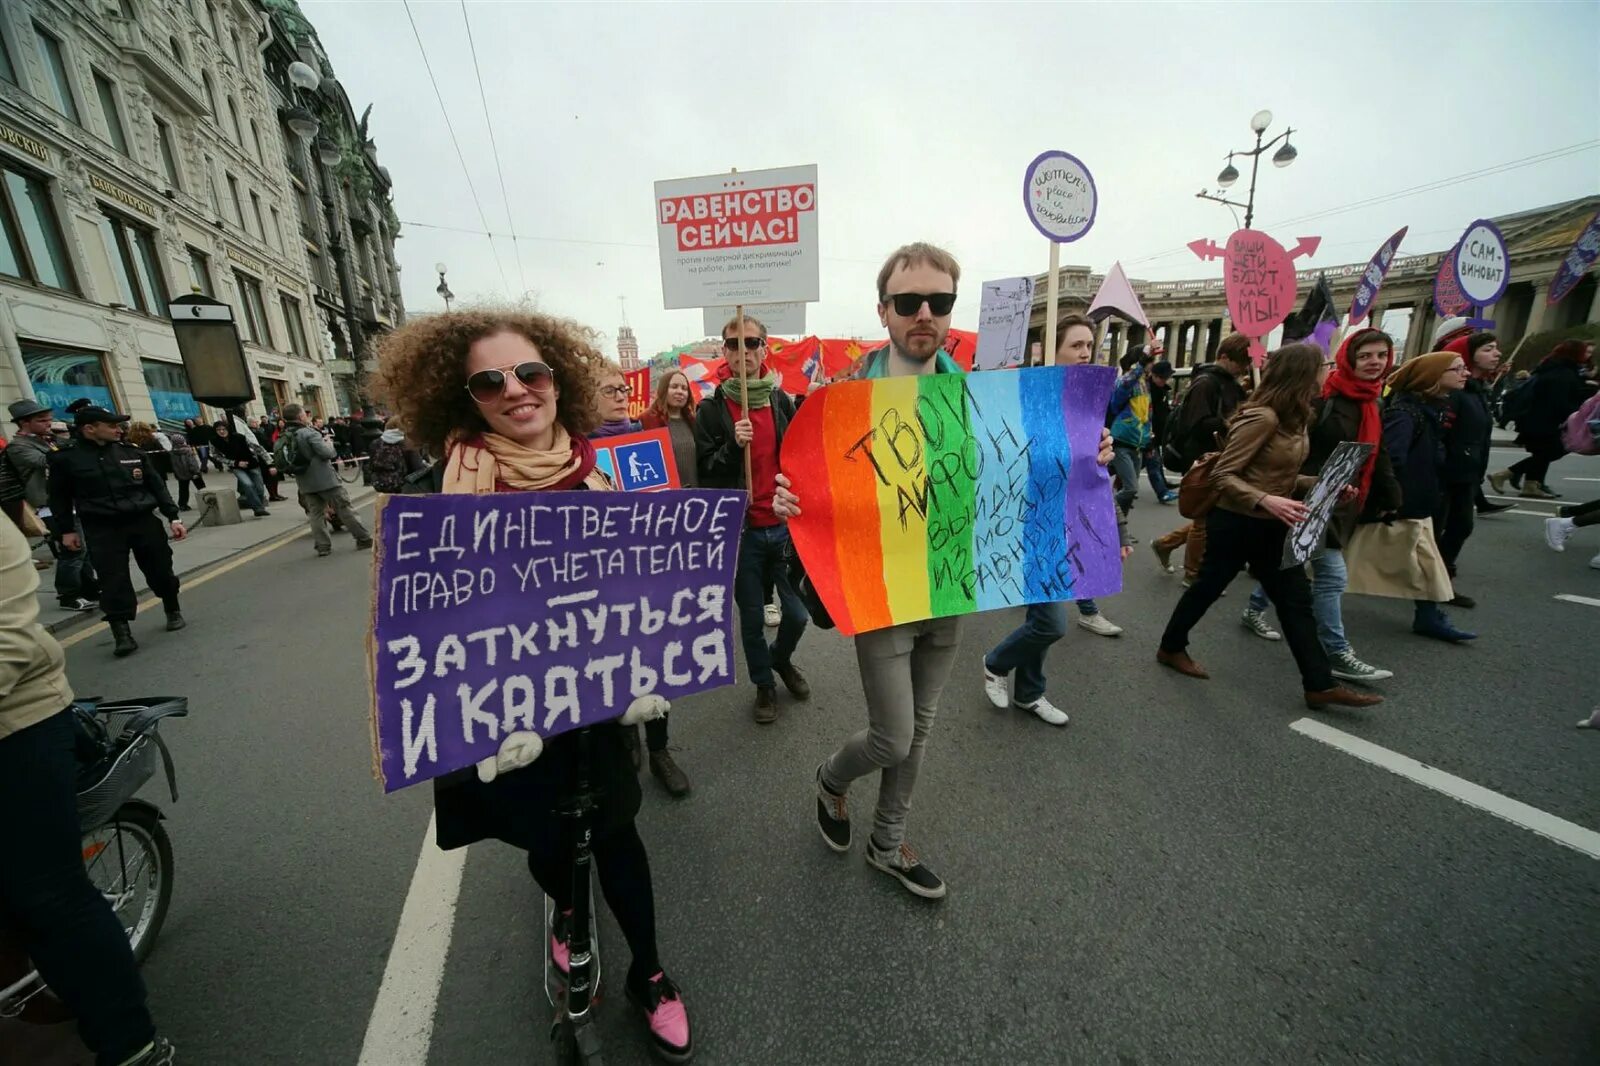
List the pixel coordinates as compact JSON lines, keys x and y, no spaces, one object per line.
{"x":1413,"y":434}
{"x":237,"y":449}
{"x":1335,"y":419}
{"x":104,"y":482}
{"x":720,"y":458}
{"x":1160,"y":413}
{"x":1558,"y":390}
{"x":1466,"y":437}
{"x":1213,"y":396}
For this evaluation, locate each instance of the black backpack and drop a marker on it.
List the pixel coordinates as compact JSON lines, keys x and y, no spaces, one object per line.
{"x":387,"y":467}
{"x":289,"y":457}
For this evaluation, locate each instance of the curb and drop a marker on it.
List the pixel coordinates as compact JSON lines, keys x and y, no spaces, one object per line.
{"x":304,"y":529}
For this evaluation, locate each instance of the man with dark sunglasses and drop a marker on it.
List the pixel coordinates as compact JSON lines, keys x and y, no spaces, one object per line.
{"x":750,"y":411}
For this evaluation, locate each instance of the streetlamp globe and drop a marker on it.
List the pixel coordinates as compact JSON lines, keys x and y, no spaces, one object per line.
{"x":304,"y":76}
{"x":328,"y":152}
{"x":1285,"y":155}
{"x":1229,"y":175}
{"x":1261,"y":120}
{"x":302,"y":122}
{"x":440,"y":268}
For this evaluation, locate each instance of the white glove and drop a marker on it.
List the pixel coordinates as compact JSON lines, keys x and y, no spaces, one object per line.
{"x":516,"y":751}
{"x":646,"y":709}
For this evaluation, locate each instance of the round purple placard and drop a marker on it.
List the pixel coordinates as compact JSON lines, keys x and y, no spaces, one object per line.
{"x":1060,"y":196}
{"x":1482,"y":263}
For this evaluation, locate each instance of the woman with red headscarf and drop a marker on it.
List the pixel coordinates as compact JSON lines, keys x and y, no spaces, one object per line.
{"x":1558,"y":390}
{"x":1348,"y":410}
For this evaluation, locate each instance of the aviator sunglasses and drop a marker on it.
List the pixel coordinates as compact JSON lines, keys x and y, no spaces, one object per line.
{"x":486,"y":386}
{"x":907,"y":304}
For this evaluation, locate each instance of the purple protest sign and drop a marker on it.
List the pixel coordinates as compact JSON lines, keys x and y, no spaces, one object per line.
{"x":541,"y":612}
{"x":1576,"y":263}
{"x":1372,"y":277}
{"x":1448,"y":299}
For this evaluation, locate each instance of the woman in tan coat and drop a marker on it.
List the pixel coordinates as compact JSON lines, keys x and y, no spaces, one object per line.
{"x":1258,"y":478}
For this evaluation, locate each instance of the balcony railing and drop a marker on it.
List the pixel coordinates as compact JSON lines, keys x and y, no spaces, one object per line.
{"x":166,"y":77}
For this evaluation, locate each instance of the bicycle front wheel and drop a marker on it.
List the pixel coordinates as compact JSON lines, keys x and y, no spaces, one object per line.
{"x":129,"y":859}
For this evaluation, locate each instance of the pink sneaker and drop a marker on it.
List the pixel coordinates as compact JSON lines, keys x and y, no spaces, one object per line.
{"x":669,"y":1021}
{"x":560,"y":935}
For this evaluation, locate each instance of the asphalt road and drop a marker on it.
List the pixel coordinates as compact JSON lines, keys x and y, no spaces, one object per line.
{"x":1176,"y":877}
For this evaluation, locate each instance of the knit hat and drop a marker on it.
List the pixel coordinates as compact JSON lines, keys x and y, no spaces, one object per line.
{"x":1445,"y":328}
{"x":1422,"y":373}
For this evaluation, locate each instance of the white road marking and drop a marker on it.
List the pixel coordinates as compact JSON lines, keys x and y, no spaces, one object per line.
{"x":1516,"y":812}
{"x":1585,"y":600}
{"x":1536,"y":514}
{"x":1581,"y":479}
{"x":400,"y":1029}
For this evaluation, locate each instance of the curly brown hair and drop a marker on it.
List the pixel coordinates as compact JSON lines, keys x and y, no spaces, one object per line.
{"x":422,"y":373}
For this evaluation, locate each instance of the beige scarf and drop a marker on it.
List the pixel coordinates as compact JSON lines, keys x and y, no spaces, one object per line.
{"x":480,"y":465}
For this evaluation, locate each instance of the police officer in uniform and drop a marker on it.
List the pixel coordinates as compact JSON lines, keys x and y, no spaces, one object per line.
{"x":115,"y":493}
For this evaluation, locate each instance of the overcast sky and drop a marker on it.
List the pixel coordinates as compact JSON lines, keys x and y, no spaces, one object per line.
{"x":922,"y":117}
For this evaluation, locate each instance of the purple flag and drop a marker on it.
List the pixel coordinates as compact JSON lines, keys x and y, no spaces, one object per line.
{"x":541,"y":612}
{"x":1448,"y":299}
{"x":1372,"y":277}
{"x":1577,"y":262}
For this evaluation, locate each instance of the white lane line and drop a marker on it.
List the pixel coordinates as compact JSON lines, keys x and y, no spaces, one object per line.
{"x":400,"y":1029}
{"x":1591,"y":479}
{"x":1536,"y":514}
{"x":1559,"y":830}
{"x":1585,"y":600}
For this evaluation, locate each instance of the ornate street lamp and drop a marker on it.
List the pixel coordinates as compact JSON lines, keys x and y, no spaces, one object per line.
{"x":444,"y":288}
{"x":1230,"y":174}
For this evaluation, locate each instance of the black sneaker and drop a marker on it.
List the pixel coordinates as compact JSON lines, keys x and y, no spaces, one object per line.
{"x":78,"y":604}
{"x":159,"y":1053}
{"x":833,"y":817}
{"x":793,"y":680}
{"x":903,"y":865}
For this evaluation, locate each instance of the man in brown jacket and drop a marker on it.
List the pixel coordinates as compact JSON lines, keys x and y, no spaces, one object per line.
{"x":64,"y":923}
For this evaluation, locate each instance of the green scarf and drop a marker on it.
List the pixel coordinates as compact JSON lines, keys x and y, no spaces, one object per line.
{"x":759,"y":390}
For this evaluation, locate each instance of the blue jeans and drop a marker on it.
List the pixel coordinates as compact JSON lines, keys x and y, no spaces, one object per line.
{"x":1258,"y":599}
{"x":761,"y":565}
{"x":252,"y":487}
{"x":1328,"y":580}
{"x":1024,"y":650}
{"x":1125,"y":464}
{"x":1087,"y":608}
{"x":74,"y":572}
{"x":1156,"y":473}
{"x":63,"y":921}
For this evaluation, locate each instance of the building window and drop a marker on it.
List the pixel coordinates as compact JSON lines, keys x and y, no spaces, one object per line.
{"x":295,"y":325}
{"x":55,"y":65}
{"x":135,"y":262}
{"x":255,"y":136}
{"x":169,"y":392}
{"x":108,"y":107}
{"x":200,"y":272}
{"x":255,"y":312}
{"x":319,"y":269}
{"x":211,"y":191}
{"x":211,"y":13}
{"x":175,"y":49}
{"x":238,"y":53}
{"x":61,"y":375}
{"x":233,"y":117}
{"x":169,"y":158}
{"x":255,"y":213}
{"x":126,"y":7}
{"x":211,"y":93}
{"x":275,"y":234}
{"x":31,"y":246}
{"x":7,"y":71}
{"x":233,"y":199}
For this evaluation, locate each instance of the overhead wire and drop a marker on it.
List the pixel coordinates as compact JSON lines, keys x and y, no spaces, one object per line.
{"x":505,"y":284}
{"x":522,"y":278}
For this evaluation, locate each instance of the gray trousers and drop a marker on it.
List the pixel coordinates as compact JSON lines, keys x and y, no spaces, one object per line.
{"x":316,"y":505}
{"x":903,"y":670}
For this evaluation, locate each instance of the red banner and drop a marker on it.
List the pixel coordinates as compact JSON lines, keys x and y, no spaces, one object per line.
{"x":638,"y":391}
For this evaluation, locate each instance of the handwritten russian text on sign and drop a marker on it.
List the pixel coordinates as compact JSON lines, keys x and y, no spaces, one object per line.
{"x":945,"y":494}
{"x":783,"y":320}
{"x":638,"y":391}
{"x":1003,"y":323}
{"x":1259,"y":279}
{"x":1372,"y":277}
{"x":1060,"y":196}
{"x":1448,"y":299}
{"x":1577,"y":261}
{"x":1482,"y":263}
{"x":638,"y":462}
{"x":738,"y":238}
{"x":542,"y":612}
{"x":1340,"y":470}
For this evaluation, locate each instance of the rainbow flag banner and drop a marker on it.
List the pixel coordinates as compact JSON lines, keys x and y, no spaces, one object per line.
{"x":951,"y":493}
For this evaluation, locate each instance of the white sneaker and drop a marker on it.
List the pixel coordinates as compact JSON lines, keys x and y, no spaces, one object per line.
{"x":1346,"y":667}
{"x":1046,"y":712}
{"x":998,"y":688}
{"x":772,"y":615}
{"x":1557,"y":531}
{"x":1256,"y":622}
{"x":1594,"y":564}
{"x":1098,"y":624}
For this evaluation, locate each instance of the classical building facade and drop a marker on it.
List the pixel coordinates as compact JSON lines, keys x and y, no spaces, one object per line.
{"x":143,"y":158}
{"x":1191,"y":317}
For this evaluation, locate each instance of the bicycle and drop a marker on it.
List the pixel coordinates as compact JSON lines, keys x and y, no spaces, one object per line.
{"x":125,"y":847}
{"x":349,"y":470}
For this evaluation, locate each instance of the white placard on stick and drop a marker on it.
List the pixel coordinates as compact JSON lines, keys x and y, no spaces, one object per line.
{"x":1482,"y":263}
{"x":739,"y":238}
{"x":781,"y":320}
{"x":1003,"y":323}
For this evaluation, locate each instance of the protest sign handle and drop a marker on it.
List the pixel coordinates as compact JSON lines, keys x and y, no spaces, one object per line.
{"x":1052,"y":293}
{"x":744,"y":393}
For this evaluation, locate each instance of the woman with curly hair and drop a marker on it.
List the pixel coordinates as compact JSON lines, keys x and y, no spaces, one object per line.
{"x":507,"y":399}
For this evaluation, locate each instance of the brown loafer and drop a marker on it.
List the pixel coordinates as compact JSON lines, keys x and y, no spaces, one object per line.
{"x":1339,"y":696}
{"x":1180,"y":661}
